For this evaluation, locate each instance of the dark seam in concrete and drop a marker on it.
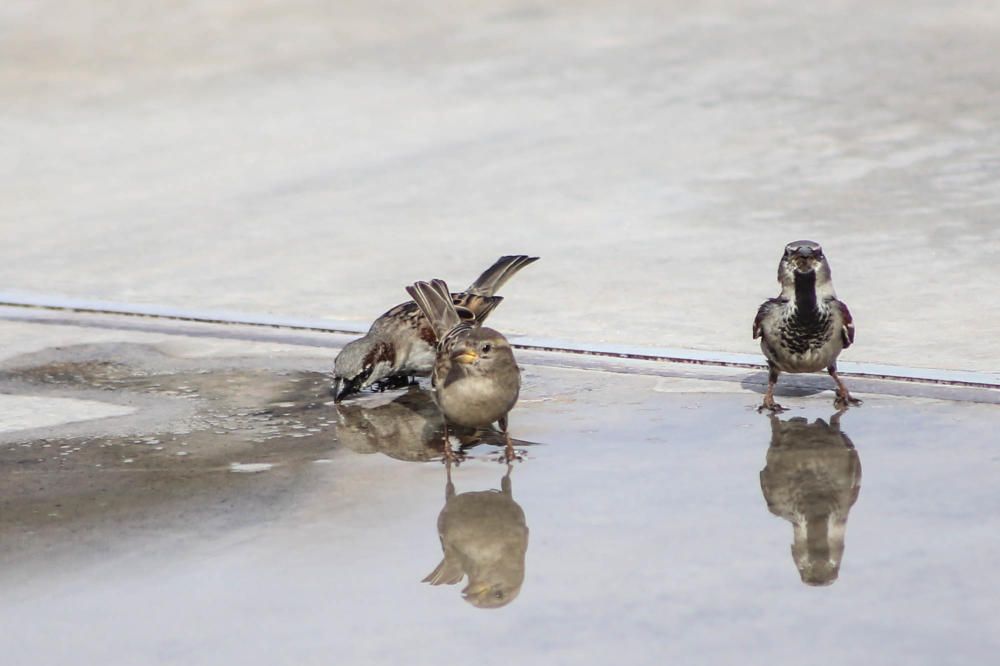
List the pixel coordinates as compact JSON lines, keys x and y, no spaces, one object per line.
{"x":527,"y":347}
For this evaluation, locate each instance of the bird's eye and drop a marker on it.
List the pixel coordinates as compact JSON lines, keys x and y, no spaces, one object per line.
{"x":498,"y":595}
{"x":487,"y":348}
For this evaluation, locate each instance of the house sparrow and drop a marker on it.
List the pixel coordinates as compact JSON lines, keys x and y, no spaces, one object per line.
{"x":812,"y":479}
{"x":483,"y":535}
{"x":475,"y":377}
{"x":400,"y":343}
{"x":805,"y":328}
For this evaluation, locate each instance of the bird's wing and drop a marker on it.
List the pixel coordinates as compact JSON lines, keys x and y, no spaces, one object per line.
{"x":448,"y":572}
{"x":762,"y":312}
{"x":496,"y":275}
{"x":434,"y":300}
{"x":847,"y":332}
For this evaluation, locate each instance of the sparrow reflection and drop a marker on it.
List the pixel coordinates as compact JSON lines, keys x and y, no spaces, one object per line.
{"x":483,"y":535}
{"x":812,"y":479}
{"x":410,"y":428}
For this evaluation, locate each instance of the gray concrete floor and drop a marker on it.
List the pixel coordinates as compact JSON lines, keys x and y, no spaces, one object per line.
{"x":193,"y":497}
{"x":310,"y":159}
{"x":181,"y":494}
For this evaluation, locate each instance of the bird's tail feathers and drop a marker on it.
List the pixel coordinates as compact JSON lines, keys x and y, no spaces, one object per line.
{"x":497,"y":275}
{"x":446,"y":573}
{"x":472,"y":307}
{"x":434,"y":300}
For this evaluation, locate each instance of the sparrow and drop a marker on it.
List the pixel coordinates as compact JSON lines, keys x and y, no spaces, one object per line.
{"x":484,"y":536}
{"x":400,"y":344}
{"x":806,"y":327}
{"x":812,"y":479}
{"x":475,"y":378}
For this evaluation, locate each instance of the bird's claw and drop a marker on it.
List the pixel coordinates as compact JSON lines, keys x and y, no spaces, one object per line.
{"x":510,"y":455}
{"x":842,"y":402}
{"x":453,"y":457}
{"x":390,"y":383}
{"x":773,"y":407}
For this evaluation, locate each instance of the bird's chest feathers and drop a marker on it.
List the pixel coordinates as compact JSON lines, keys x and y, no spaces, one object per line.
{"x":474,"y":388}
{"x":807,"y":321}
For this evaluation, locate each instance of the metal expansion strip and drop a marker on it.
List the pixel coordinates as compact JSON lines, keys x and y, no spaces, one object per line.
{"x":661,"y":354}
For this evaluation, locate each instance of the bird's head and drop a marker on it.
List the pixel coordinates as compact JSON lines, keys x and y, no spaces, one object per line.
{"x":803,"y":259}
{"x":359,"y":364}
{"x":481,"y":350}
{"x":491,"y":595}
{"x":818,"y":548}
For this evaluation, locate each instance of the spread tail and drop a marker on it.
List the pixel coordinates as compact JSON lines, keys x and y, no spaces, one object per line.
{"x":434,"y":300}
{"x":496,"y":275}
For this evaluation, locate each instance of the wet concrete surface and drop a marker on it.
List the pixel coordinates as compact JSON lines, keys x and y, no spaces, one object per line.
{"x":234,"y":514}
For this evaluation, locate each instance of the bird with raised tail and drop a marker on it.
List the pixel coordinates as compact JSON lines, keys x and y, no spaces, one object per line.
{"x":400,"y":344}
{"x":806,"y":327}
{"x":475,"y":377}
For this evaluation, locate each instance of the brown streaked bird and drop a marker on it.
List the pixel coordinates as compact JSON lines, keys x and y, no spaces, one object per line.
{"x":812,"y":479}
{"x":484,"y":536}
{"x":400,"y":344}
{"x":475,"y":378}
{"x":806,"y":327}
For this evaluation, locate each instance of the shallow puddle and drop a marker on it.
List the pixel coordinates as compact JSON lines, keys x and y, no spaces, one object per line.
{"x":655,"y":518}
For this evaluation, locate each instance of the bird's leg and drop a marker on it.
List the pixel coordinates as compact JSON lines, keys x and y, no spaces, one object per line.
{"x":772,"y":379}
{"x":449,"y":489}
{"x":449,"y":455}
{"x":390,"y":383}
{"x":843,"y":399}
{"x":509,"y":454}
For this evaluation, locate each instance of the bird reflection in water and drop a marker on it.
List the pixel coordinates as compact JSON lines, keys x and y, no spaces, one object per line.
{"x":812,"y":479}
{"x":410,"y":428}
{"x":483,"y":536}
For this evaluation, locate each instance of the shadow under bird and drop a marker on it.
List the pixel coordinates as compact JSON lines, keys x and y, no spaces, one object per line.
{"x":400,"y":344}
{"x":484,"y":536}
{"x":475,"y":377}
{"x":812,"y":479}
{"x":806,"y":327}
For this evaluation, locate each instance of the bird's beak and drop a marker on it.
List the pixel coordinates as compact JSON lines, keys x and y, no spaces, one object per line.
{"x":465,"y":356}
{"x":341,"y":389}
{"x":475,"y":592}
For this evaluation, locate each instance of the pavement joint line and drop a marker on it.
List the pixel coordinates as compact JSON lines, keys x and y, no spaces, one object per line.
{"x":970,"y":379}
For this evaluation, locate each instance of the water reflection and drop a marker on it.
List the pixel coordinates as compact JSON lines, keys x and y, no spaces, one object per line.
{"x":812,"y":479}
{"x":410,"y":427}
{"x":483,"y":536}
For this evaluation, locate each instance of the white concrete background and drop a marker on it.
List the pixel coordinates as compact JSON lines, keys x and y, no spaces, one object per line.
{"x":310,"y":158}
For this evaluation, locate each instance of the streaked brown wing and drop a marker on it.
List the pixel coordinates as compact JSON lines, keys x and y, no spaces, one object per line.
{"x":847,"y":332}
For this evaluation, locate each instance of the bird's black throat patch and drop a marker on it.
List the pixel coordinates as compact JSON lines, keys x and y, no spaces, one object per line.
{"x":807,"y":326}
{"x":805,"y":294}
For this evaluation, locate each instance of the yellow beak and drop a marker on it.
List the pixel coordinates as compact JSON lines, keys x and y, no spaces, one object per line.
{"x":465,"y":356}
{"x":477,"y":591}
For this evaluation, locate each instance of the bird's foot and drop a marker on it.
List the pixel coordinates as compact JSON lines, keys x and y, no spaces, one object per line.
{"x":452,"y":457}
{"x":511,"y":456}
{"x":390,"y":383}
{"x":844,"y":400}
{"x":772,"y":407}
